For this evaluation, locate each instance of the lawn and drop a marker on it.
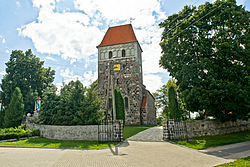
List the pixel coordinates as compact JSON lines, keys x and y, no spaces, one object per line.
{"x":51,"y":143}
{"x":217,"y":140}
{"x":129,"y":131}
{"x":243,"y":162}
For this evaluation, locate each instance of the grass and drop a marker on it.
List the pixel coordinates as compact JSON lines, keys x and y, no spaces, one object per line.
{"x":51,"y":143}
{"x":243,"y":162}
{"x":217,"y":140}
{"x":129,"y":131}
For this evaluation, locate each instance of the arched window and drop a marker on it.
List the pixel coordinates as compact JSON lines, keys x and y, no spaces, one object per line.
{"x":110,"y":54}
{"x":123,"y":53}
{"x":126,"y":102}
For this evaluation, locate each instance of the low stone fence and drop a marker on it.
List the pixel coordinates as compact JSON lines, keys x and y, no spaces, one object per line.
{"x":188,"y":129}
{"x":86,"y":132}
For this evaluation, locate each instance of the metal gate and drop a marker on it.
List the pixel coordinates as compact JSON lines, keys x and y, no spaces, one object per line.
{"x":110,"y":131}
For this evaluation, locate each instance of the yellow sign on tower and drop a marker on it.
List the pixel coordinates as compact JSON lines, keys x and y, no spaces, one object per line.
{"x":117,"y":67}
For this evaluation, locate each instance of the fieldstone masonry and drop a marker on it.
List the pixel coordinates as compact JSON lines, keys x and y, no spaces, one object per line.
{"x":189,"y":129}
{"x":86,"y":132}
{"x":127,"y":78}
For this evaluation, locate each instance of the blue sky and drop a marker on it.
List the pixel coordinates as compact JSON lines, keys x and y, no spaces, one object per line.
{"x":65,"y":33}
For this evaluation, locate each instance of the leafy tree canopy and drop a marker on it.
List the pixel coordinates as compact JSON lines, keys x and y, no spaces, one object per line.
{"x":75,"y":105}
{"x":26,"y":71}
{"x":206,"y":49}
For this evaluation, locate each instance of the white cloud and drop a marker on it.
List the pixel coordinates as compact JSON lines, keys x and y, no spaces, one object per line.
{"x":152,"y":82}
{"x":75,"y":35}
{"x":241,"y":2}
{"x":87,"y":78}
{"x":45,"y":4}
{"x":2,"y":73}
{"x":72,"y":61}
{"x":50,"y":58}
{"x":3,"y":40}
{"x":7,"y":51}
{"x":65,"y":34}
{"x":18,"y":4}
{"x":121,"y":10}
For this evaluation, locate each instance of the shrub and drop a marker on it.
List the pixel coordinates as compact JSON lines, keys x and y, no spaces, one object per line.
{"x":16,"y":133}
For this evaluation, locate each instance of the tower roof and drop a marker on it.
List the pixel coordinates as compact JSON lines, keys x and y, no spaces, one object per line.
{"x":118,"y":35}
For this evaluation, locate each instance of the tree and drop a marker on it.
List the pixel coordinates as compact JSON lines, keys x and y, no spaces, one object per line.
{"x":14,"y":112}
{"x":173,"y":109}
{"x":119,"y":106}
{"x":70,"y":104}
{"x":162,"y":99}
{"x":49,"y":106}
{"x":206,"y":49}
{"x":1,"y":115}
{"x":26,"y":71}
{"x":91,"y":113}
{"x":76,"y":105}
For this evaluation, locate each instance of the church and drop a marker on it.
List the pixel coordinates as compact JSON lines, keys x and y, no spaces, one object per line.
{"x":120,"y":67}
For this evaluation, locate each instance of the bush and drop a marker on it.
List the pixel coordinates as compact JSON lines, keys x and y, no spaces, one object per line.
{"x":16,"y":133}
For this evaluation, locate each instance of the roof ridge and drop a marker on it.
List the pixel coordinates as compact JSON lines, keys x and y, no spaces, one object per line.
{"x":118,"y":35}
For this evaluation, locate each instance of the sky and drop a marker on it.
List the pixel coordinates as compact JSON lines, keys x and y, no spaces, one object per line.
{"x":64,"y":33}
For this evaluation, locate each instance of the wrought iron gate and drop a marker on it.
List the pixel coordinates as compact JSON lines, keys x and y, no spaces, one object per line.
{"x":110,"y":131}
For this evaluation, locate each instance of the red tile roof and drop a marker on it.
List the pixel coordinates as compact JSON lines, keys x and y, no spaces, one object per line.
{"x":118,"y":35}
{"x":144,"y":102}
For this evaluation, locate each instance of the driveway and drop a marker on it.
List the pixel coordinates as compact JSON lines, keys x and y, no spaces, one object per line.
{"x":130,"y":154}
{"x":142,"y":150}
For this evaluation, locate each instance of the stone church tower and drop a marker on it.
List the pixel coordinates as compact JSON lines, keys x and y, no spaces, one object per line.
{"x":120,"y":67}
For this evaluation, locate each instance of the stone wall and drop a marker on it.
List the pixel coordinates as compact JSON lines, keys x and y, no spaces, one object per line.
{"x":190,"y":129}
{"x":86,"y":132}
{"x":149,"y":113}
{"x":151,"y":110}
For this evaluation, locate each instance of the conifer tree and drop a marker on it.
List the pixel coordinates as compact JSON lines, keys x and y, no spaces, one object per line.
{"x":1,"y":117}
{"x":119,"y":105}
{"x":14,"y":112}
{"x":174,"y":112}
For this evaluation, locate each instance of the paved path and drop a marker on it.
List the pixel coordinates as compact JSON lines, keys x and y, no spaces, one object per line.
{"x":145,"y":149}
{"x":130,"y":154}
{"x":231,"y":151}
{"x":151,"y":134}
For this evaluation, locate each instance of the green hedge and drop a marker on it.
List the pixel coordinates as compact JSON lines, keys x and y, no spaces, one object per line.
{"x":16,"y":133}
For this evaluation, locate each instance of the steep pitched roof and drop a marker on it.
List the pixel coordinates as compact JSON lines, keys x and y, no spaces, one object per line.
{"x":118,"y":35}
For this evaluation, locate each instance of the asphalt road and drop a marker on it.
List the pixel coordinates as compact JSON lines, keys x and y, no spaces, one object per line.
{"x":232,"y":151}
